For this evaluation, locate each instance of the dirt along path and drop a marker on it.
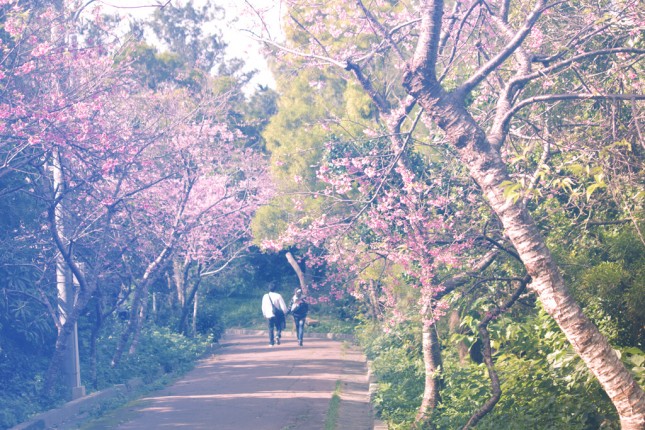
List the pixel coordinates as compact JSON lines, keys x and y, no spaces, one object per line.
{"x":248,"y":385}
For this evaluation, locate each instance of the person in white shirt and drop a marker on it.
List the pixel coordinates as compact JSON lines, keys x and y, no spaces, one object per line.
{"x":274,"y":310}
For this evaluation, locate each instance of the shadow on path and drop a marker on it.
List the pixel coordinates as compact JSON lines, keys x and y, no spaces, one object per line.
{"x":248,"y":385}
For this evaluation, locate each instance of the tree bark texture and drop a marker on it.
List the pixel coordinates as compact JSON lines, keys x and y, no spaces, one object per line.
{"x":432,"y":363}
{"x":488,"y":170}
{"x":189,"y":305}
{"x":299,"y":272}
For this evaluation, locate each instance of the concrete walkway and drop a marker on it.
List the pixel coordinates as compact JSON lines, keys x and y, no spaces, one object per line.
{"x":249,"y":385}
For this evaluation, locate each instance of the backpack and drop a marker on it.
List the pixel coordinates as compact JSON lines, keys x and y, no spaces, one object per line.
{"x":301,"y":309}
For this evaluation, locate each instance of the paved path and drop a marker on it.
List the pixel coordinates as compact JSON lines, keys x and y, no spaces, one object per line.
{"x":248,"y":385}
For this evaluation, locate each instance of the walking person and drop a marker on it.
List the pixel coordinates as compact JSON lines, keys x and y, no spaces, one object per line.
{"x":274,"y":310}
{"x":298,"y":307}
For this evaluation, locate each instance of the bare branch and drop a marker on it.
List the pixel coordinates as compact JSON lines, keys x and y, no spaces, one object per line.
{"x":158,"y":4}
{"x":560,"y":97}
{"x":280,"y":47}
{"x":380,"y":29}
{"x":453,"y":51}
{"x":381,"y":103}
{"x":546,"y":153}
{"x":313,"y":36}
{"x":506,"y":52}
{"x":564,"y":63}
{"x":460,"y":279}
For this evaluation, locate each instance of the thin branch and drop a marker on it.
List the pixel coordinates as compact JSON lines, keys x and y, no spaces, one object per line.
{"x":506,"y":52}
{"x":455,"y":44}
{"x":280,"y":47}
{"x":387,"y":35}
{"x":564,"y":63}
{"x":381,"y":103}
{"x":159,"y":4}
{"x":313,"y":36}
{"x":503,"y":248}
{"x":613,"y":222}
{"x":264,"y":24}
{"x":546,"y":153}
{"x":456,"y":281}
{"x":560,"y":97}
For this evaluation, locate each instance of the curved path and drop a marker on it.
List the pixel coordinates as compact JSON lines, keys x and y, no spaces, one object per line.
{"x":249,"y":385}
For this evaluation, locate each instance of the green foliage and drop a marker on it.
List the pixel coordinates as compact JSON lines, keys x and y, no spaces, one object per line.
{"x":397,"y":363}
{"x":544,"y":383}
{"x":160,"y":353}
{"x":209,"y":321}
{"x":605,"y":267}
{"x":242,"y":311}
{"x":270,"y":220}
{"x":21,"y":372}
{"x":182,"y":30}
{"x":26,"y":330}
{"x":634,"y":359}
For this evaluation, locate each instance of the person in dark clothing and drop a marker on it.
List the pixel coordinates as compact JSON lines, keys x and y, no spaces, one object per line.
{"x":298,"y":307}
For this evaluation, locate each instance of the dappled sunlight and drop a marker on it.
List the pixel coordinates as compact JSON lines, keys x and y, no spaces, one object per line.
{"x":280,"y":394}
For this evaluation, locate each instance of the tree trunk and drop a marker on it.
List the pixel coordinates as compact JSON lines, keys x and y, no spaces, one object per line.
{"x":431,"y":363}
{"x":140,"y":317}
{"x":195,"y":307}
{"x":66,"y":354}
{"x":375,"y":306}
{"x":454,"y":325}
{"x":487,"y":352}
{"x":137,"y":311}
{"x":188,"y":306}
{"x":96,"y":329}
{"x":180,"y":278}
{"x":296,"y":268}
{"x":489,"y":171}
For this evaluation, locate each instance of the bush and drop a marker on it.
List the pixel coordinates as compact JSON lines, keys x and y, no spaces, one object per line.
{"x":544,"y":384}
{"x":397,"y":363}
{"x":243,"y":312}
{"x":160,"y":352}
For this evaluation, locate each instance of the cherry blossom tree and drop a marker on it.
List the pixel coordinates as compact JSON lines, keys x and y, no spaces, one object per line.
{"x":209,"y":185}
{"x":483,"y":75}
{"x":58,"y":119}
{"x":128,"y":175}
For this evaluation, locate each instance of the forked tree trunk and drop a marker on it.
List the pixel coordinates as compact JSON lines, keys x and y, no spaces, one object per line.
{"x":189,"y":306}
{"x":138,"y":309}
{"x":489,"y":171}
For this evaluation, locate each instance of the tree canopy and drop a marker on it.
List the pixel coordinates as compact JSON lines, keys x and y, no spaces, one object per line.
{"x":459,"y":184}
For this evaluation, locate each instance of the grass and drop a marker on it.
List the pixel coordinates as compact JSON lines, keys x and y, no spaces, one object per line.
{"x":331,"y":421}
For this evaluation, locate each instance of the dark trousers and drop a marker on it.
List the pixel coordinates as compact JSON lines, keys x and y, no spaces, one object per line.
{"x":300,"y":327}
{"x":275,"y":330}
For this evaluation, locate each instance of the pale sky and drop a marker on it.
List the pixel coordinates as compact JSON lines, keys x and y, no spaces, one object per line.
{"x":240,"y":43}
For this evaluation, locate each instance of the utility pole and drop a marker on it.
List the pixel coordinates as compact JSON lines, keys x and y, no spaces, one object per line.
{"x":71,"y":369}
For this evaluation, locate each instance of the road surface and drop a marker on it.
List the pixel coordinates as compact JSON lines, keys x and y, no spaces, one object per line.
{"x":248,"y":385}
